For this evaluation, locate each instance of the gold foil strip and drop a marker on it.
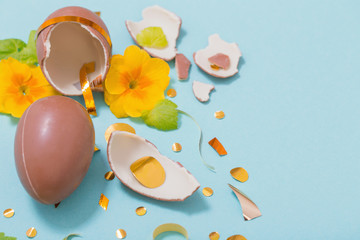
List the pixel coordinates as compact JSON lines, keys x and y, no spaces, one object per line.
{"x":85,"y":87}
{"x":57,"y":204}
{"x":219,"y":114}
{"x":121,"y":233}
{"x":171,"y":93}
{"x":77,"y":19}
{"x":8,"y":213}
{"x":249,"y":208}
{"x":96,"y":148}
{"x":208,"y":192}
{"x":236,"y":237}
{"x":214,"y":236}
{"x":219,"y":148}
{"x":141,"y":211}
{"x":31,"y":232}
{"x":176,"y":147}
{"x":149,"y":172}
{"x":239,"y":174}
{"x":118,"y":127}
{"x":109,"y":175}
{"x":170,"y":227}
{"x":215,"y":67}
{"x":103,"y":202}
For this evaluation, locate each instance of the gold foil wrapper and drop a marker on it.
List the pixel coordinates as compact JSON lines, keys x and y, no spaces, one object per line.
{"x":239,"y":174}
{"x":176,"y":147}
{"x":215,"y":67}
{"x":8,"y":213}
{"x":141,"y":211}
{"x":121,"y":233}
{"x":219,"y":114}
{"x":31,"y":232}
{"x":86,"y":89}
{"x":149,"y":172}
{"x":109,"y":175}
{"x":208,"y":192}
{"x":219,"y":148}
{"x":171,"y":93}
{"x":103,"y":202}
{"x":118,"y":127}
{"x":170,"y":227}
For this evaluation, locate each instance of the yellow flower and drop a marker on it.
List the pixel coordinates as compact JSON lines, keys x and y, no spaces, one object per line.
{"x":21,"y":85}
{"x":135,"y":82}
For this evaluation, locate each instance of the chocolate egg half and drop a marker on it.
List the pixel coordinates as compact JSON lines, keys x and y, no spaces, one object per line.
{"x":64,"y":47}
{"x":54,"y":145}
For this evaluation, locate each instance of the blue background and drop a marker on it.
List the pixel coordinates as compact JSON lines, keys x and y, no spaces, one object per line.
{"x":292,"y":121}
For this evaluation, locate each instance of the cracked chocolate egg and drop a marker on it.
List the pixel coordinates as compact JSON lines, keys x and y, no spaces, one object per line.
{"x":54,"y":145}
{"x":69,"y":38}
{"x":139,"y":165}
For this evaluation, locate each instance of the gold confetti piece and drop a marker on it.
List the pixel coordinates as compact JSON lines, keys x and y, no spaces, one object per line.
{"x":219,"y":148}
{"x":96,"y":149}
{"x":176,"y":147}
{"x":109,"y":175}
{"x":149,"y":172}
{"x":249,"y":208}
{"x":31,"y":232}
{"x":103,"y":202}
{"x":219,"y":114}
{"x":140,"y":211}
{"x":208,"y":192}
{"x":8,"y":213}
{"x":98,"y":13}
{"x":85,"y":87}
{"x":170,"y":227}
{"x":236,"y":237}
{"x":118,"y":127}
{"x":214,"y":236}
{"x":57,"y":204}
{"x":70,"y":236}
{"x":215,"y":67}
{"x":121,"y":233}
{"x":239,"y":174}
{"x":171,"y":93}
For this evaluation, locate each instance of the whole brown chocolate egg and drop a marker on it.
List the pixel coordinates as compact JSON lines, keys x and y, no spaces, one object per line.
{"x":54,"y":145}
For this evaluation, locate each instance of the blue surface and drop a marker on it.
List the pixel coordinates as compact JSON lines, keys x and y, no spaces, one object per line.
{"x":292,"y":120}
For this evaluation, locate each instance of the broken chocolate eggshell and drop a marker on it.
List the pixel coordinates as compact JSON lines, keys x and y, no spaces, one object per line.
{"x":125,"y":148}
{"x":64,"y":47}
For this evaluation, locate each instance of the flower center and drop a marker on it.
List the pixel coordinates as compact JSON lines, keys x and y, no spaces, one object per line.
{"x":132,"y":84}
{"x":24,"y":89}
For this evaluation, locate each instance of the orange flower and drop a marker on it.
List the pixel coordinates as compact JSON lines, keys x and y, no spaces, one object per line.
{"x":135,"y":82}
{"x":21,"y":85}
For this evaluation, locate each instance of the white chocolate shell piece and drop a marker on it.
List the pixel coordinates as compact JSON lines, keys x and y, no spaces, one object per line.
{"x":202,"y":91}
{"x":182,"y":66}
{"x":156,"y":16}
{"x":216,"y":46}
{"x":125,"y":148}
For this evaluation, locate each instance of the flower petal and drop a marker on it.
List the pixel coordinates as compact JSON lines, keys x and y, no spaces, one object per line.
{"x":116,"y":80}
{"x":17,"y":105}
{"x":155,"y":72}
{"x":135,"y":102}
{"x":135,"y":57}
{"x":117,"y":108}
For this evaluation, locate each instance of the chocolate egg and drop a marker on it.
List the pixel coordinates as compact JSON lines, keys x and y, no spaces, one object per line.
{"x":69,"y":38}
{"x":54,"y":145}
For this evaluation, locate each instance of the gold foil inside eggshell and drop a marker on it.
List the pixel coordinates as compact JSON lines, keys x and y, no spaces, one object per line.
{"x":8,"y":213}
{"x":31,"y":232}
{"x":171,"y":93}
{"x":121,"y":233}
{"x":118,"y":127}
{"x":219,"y":114}
{"x":149,"y":172}
{"x":208,"y":192}
{"x":239,"y":174}
{"x":170,"y":227}
{"x":176,"y":147}
{"x":109,"y":175}
{"x":214,"y":236}
{"x":215,"y":67}
{"x":236,"y":237}
{"x":140,"y":211}
{"x":86,"y":69}
{"x":219,"y":148}
{"x":103,"y":202}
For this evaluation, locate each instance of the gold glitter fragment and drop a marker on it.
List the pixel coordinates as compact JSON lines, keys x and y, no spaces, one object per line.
{"x":57,"y":204}
{"x":98,"y":13}
{"x":121,"y":233}
{"x":118,"y":127}
{"x":219,"y":148}
{"x":109,"y":175}
{"x":103,"y":202}
{"x":214,"y":236}
{"x":171,"y":93}
{"x":140,"y":211}
{"x":236,"y":237}
{"x":96,"y":149}
{"x":8,"y":213}
{"x":148,"y":171}
{"x":31,"y":232}
{"x":176,"y":147}
{"x":239,"y":174}
{"x":208,"y":192}
{"x":170,"y":227}
{"x":219,"y":114}
{"x":215,"y":67}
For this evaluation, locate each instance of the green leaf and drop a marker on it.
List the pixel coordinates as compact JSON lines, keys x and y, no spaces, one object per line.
{"x":17,"y":49}
{"x":152,"y":37}
{"x":3,"y":237}
{"x":164,"y":116}
{"x":70,"y":236}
